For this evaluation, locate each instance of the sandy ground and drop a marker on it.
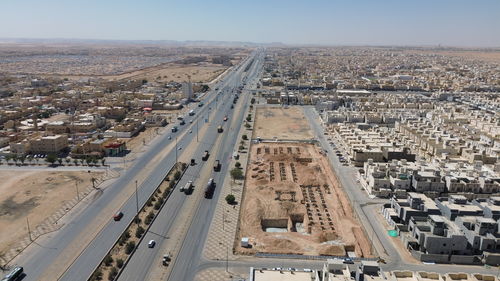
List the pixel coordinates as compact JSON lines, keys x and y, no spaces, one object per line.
{"x":35,"y":195}
{"x":174,"y":72}
{"x":489,"y":56}
{"x":292,"y":187}
{"x":289,"y":123}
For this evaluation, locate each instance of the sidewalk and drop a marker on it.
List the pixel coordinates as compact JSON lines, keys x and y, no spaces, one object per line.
{"x":220,"y":240}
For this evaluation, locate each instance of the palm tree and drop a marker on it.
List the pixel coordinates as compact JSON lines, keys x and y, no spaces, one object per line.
{"x":59,"y":160}
{"x":75,"y":161}
{"x":103,"y":160}
{"x":22,"y":159}
{"x":82,"y":161}
{"x":68,"y":160}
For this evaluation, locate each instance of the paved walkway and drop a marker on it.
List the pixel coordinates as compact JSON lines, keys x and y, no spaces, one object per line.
{"x":221,"y":237}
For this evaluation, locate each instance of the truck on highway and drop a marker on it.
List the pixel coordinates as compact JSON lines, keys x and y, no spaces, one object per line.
{"x":217,"y":166}
{"x":15,"y":274}
{"x":209,"y":191}
{"x":219,"y":129}
{"x":205,"y":155}
{"x":187,"y":188}
{"x":174,"y":129}
{"x":191,"y":112}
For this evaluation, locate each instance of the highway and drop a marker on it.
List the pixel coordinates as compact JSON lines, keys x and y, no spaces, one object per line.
{"x":144,"y":258}
{"x":41,"y":257}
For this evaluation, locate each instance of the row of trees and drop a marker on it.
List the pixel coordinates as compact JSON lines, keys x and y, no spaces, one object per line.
{"x":52,"y":159}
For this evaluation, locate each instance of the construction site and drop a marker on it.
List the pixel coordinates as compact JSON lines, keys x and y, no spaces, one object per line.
{"x":294,"y":204}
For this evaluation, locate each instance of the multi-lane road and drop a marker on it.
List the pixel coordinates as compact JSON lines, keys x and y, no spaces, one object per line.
{"x":40,"y":263}
{"x":221,"y":147}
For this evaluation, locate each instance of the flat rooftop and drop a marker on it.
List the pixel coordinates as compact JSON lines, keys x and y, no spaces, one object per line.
{"x":276,"y":275}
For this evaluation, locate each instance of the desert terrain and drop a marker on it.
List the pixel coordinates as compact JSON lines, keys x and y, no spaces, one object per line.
{"x":35,"y":195}
{"x":293,"y":202}
{"x":282,"y":123}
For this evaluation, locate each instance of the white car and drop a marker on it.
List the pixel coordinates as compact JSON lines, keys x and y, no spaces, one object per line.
{"x":151,"y":244}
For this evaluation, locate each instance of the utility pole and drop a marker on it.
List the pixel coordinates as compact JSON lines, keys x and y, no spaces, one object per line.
{"x":29,"y":230}
{"x":136,"y":199}
{"x":77,"y":193}
{"x":227,"y":258}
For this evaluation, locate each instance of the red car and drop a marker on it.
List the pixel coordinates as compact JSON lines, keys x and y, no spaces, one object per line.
{"x":118,"y":216}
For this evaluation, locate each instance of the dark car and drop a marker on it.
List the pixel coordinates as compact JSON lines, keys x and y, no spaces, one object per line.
{"x":118,"y":216}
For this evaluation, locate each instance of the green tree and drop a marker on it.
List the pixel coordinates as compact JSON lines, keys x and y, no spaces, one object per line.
{"x":230,"y":199}
{"x":237,"y":164}
{"x":68,"y":160}
{"x":236,"y":174}
{"x":75,"y":161}
{"x":252,"y":101}
{"x":59,"y":160}
{"x":22,"y":159}
{"x":51,"y":158}
{"x":244,"y":137}
{"x":103,"y":161}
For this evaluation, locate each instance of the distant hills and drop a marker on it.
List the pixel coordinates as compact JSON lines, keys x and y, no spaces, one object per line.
{"x":198,"y":43}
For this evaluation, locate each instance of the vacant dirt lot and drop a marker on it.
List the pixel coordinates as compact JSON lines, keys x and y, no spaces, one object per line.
{"x":174,"y":72}
{"x":282,"y":123}
{"x":293,"y":204}
{"x":36,"y":195}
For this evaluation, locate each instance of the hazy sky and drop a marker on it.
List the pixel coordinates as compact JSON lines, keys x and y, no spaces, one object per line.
{"x":348,"y":22}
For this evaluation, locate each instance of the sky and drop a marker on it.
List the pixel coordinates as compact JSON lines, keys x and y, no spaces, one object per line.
{"x":468,"y":23}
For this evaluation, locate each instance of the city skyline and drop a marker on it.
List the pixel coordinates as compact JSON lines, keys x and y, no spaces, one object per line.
{"x":422,"y":23}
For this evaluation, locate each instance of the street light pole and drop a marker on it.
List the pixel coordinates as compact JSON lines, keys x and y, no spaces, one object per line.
{"x":175,"y":149}
{"x":136,"y":199}
{"x":197,"y":130}
{"x":77,"y":193}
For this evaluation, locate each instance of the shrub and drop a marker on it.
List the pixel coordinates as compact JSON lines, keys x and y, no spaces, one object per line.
{"x":97,"y":275}
{"x":139,"y":231}
{"x":130,"y":247}
{"x":177,"y":175}
{"x":108,"y":260}
{"x":237,"y":164}
{"x":112,"y":273}
{"x":244,"y":137}
{"x":119,"y":263}
{"x":230,"y":199}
